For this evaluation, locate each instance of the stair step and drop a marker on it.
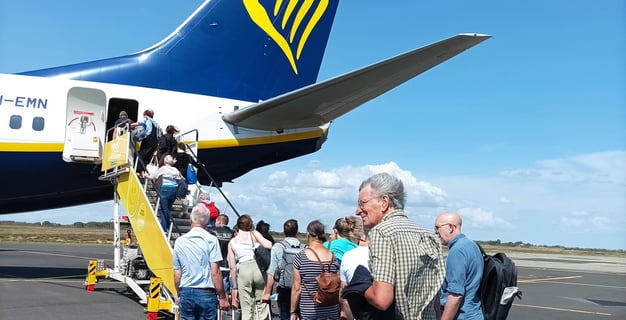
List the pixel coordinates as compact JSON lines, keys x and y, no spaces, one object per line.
{"x":181,"y":226}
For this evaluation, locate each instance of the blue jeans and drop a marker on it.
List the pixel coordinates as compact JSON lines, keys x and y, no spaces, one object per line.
{"x":167,"y":197}
{"x":284,"y":302}
{"x":195,"y":304}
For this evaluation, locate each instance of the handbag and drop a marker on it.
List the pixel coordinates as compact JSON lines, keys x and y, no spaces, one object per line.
{"x":139,"y":133}
{"x":182,"y":190}
{"x":192,"y":178}
{"x":153,"y":165}
{"x":262,"y":255}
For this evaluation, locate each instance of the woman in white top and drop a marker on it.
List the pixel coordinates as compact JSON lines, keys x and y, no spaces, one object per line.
{"x":167,"y":190}
{"x":247,"y":278}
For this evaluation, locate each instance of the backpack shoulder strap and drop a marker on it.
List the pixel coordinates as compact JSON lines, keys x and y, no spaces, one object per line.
{"x":320,"y":260}
{"x":482,"y":251}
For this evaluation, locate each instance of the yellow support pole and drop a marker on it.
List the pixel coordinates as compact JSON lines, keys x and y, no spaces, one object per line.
{"x":91,"y":274}
{"x":95,"y":270}
{"x":155,"y":304}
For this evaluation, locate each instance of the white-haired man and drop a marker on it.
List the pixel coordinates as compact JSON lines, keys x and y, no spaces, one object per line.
{"x":406,"y":260}
{"x":197,"y":275}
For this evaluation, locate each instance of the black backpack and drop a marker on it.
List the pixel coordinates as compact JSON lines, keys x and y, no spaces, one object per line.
{"x":499,"y":281}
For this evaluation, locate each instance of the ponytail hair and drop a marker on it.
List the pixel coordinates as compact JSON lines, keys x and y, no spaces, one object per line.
{"x":315,"y":229}
{"x":349,"y":227}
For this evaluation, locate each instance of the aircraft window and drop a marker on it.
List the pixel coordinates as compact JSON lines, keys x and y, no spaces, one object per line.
{"x":15,"y":122}
{"x":38,"y":123}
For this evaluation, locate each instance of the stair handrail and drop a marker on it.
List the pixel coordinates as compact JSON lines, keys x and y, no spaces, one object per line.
{"x":204,"y":169}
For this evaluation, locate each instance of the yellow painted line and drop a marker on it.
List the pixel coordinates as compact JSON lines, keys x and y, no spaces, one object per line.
{"x":31,"y":147}
{"x":562,"y":309}
{"x":227,"y":143}
{"x":548,"y":279}
{"x":202,"y":144}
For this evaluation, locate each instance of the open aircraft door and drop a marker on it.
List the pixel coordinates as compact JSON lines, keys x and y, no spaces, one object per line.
{"x":85,"y":125}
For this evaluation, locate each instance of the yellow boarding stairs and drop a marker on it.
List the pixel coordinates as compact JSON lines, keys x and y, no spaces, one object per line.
{"x":146,"y":256}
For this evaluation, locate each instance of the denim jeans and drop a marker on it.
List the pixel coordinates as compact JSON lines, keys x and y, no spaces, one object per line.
{"x":167,"y":197}
{"x":195,"y":304}
{"x":284,"y":302}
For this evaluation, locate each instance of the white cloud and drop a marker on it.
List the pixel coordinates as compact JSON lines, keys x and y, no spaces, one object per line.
{"x":321,"y":194}
{"x":585,"y":222}
{"x":602,"y":167}
{"x":480,"y":218}
{"x":504,"y":200}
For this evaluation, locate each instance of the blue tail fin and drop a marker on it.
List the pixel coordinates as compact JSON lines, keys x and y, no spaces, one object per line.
{"x":241,"y":49}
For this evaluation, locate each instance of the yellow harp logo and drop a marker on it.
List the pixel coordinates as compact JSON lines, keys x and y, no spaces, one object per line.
{"x":263,"y":20}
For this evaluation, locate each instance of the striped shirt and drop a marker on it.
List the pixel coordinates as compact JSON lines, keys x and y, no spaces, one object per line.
{"x":410,"y":258}
{"x":309,"y":270}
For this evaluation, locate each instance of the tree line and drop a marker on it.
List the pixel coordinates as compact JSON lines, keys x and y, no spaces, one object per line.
{"x":278,"y":235}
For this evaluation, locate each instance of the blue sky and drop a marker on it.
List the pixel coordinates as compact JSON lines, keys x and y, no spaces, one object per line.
{"x":523,"y":135}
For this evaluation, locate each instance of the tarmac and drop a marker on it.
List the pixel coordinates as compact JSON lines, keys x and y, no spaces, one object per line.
{"x":46,"y":281}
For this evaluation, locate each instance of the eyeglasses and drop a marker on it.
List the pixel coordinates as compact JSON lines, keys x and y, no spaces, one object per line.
{"x":361,"y":203}
{"x":445,"y":224}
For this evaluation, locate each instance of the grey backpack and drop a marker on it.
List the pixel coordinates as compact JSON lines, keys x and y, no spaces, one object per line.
{"x":284,"y":272}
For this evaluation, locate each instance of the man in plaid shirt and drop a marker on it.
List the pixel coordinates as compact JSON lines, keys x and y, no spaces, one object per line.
{"x":406,"y":260}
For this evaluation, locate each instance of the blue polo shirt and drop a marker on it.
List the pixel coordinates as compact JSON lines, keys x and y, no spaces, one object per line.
{"x":193,"y":254}
{"x":464,"y":270}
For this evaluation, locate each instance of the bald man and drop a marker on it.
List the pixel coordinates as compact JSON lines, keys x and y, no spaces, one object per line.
{"x":459,"y":297}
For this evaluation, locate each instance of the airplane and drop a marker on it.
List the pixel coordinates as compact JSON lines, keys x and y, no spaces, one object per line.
{"x":240,"y":71}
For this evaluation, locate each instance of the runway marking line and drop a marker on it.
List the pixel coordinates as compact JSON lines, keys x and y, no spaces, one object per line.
{"x":562,"y":309}
{"x":570,"y":283}
{"x":548,"y":279}
{"x":58,"y":254}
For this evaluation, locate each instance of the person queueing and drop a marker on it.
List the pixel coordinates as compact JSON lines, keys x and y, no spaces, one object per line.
{"x":224,"y":234}
{"x":123,"y":122}
{"x":306,"y":267}
{"x":397,"y":246}
{"x":244,"y":272}
{"x":459,"y":296}
{"x":290,"y":229}
{"x":264,"y":229}
{"x":360,"y":256}
{"x":122,"y":125}
{"x":168,"y":175}
{"x":346,"y":234}
{"x":183,"y":159}
{"x":148,"y":145}
{"x":167,"y":144}
{"x":197,"y":276}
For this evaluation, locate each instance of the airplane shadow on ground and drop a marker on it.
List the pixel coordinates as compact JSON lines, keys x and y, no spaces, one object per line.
{"x":23,"y":272}
{"x":73,"y":278}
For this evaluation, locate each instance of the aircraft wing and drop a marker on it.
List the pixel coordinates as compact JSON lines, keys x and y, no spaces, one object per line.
{"x":323,"y":102}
